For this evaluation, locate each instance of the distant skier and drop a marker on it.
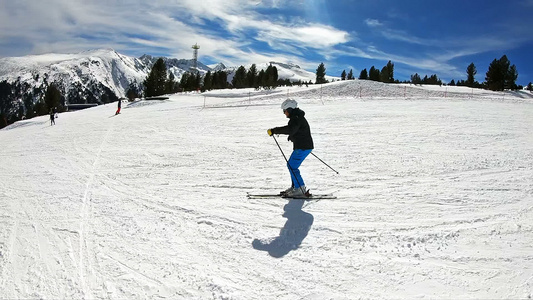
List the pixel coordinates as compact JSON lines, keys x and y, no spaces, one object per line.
{"x":119,"y":105}
{"x":300,"y":134}
{"x":52,"y":117}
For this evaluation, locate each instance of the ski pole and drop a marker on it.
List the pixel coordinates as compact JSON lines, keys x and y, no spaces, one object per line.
{"x":324,"y":163}
{"x":290,"y":168}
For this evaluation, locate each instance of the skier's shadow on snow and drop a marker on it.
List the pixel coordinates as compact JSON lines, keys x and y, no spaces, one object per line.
{"x":293,"y":232}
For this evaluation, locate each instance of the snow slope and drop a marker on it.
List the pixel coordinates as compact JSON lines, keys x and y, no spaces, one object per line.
{"x":434,"y":199}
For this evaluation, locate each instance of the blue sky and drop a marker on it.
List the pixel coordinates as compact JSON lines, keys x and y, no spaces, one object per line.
{"x":418,"y":36}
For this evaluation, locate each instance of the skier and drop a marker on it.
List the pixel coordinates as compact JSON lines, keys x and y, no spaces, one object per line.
{"x":300,"y":134}
{"x":119,"y":104}
{"x":52,"y":117}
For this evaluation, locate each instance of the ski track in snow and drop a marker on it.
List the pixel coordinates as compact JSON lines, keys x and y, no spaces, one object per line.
{"x":434,"y":198}
{"x":85,"y":215}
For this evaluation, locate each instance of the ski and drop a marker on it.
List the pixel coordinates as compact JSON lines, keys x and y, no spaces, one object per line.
{"x":310,"y":197}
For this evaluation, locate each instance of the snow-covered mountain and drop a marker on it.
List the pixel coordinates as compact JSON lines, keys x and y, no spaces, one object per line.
{"x":288,"y":71}
{"x":82,"y":77}
{"x":176,"y":66}
{"x":218,"y":67}
{"x":87,"y":76}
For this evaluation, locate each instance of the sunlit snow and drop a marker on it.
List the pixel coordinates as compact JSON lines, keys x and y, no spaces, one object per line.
{"x":435,"y":198}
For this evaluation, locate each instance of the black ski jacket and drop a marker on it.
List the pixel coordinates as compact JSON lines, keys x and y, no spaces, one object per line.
{"x":297,"y":129}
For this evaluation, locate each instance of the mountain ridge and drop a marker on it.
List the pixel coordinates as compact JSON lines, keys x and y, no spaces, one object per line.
{"x":107,"y":69}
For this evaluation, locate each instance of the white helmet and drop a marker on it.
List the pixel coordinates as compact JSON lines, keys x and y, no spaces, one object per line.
{"x":289,"y":103}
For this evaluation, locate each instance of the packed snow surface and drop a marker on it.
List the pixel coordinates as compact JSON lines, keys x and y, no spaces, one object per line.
{"x":435,"y":198}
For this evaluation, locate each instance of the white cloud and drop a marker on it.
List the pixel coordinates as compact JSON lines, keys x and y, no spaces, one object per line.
{"x":308,"y":36}
{"x":224,"y":29}
{"x":402,"y":36}
{"x":421,"y":62}
{"x":373,"y":23}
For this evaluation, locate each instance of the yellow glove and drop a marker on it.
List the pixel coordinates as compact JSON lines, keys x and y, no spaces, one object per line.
{"x":269,"y":131}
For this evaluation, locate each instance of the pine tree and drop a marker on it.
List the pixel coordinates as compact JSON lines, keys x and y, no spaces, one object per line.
{"x":384,"y":75}
{"x":190,"y":81}
{"x":184,"y":80}
{"x":494,"y":76}
{"x":251,"y":76}
{"x":505,"y":64}
{"x":415,"y":79}
{"x":471,"y":72}
{"x":155,"y":83}
{"x":132,"y":92}
{"x":6,"y":102}
{"x":273,"y":76}
{"x":321,"y":74}
{"x":52,"y":98}
{"x":350,"y":75}
{"x":270,"y":77}
{"x":363,"y":75}
{"x":239,"y":79}
{"x":197,"y":81}
{"x":530,"y":87}
{"x":387,"y":73}
{"x":343,"y":75}
{"x":220,"y":80}
{"x":208,"y":81}
{"x":501,"y":75}
{"x":260,"y":78}
{"x":29,"y":102}
{"x":510,"y":79}
{"x":433,"y":79}
{"x":171,"y":84}
{"x":374,"y":74}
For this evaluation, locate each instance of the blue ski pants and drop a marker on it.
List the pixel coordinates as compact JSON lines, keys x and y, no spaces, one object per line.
{"x":296,"y":159}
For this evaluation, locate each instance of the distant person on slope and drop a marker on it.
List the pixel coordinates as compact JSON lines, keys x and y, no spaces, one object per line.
{"x":52,"y":117}
{"x":300,"y":134}
{"x":119,"y":105}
